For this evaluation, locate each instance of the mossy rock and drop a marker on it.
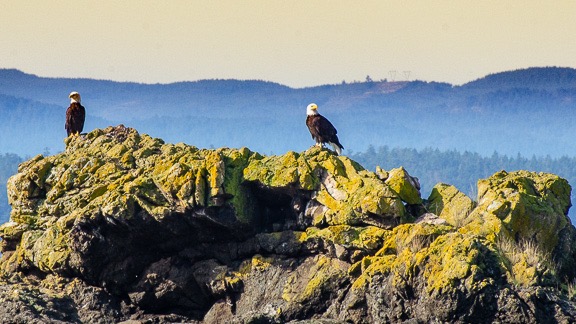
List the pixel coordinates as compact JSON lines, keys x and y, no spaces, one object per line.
{"x":450,"y":204}
{"x":430,"y":256}
{"x":362,"y":238}
{"x":115,"y":200}
{"x":530,"y":206}
{"x":117,"y":175}
{"x":348,"y":194}
{"x":312,"y":282}
{"x":113,"y":174}
{"x":406,"y":186}
{"x":526,"y":209}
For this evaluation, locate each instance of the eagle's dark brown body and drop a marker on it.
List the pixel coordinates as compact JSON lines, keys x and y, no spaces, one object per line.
{"x":75,"y":115}
{"x":323,"y":131}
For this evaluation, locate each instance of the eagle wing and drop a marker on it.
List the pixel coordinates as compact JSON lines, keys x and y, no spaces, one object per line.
{"x":81,"y":118}
{"x":324,"y":126}
{"x":320,"y":127}
{"x":323,"y":131}
{"x":75,"y":116}
{"x":69,"y":121}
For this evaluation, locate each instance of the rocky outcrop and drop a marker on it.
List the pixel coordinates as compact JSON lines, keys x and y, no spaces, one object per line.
{"x":123,"y":227}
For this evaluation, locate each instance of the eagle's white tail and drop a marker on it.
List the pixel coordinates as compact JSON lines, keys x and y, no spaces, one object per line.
{"x":336,"y":148}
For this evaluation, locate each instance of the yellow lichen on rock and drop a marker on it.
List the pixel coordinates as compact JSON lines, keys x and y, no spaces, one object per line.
{"x":315,"y":279}
{"x":525,"y":262}
{"x":350,"y":194}
{"x":444,"y":258}
{"x":260,"y":263}
{"x":405,"y":249}
{"x":114,"y":173}
{"x":368,"y":238}
{"x":530,"y":205}
{"x":450,"y":204}
{"x":453,"y":258}
{"x":406,"y":186}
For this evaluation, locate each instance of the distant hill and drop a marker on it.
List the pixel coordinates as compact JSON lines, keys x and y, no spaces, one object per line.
{"x":29,"y":127}
{"x":541,"y":78}
{"x":525,"y":111}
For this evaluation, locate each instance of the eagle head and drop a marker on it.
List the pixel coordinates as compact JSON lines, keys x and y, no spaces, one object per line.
{"x":311,"y":109}
{"x":74,"y":97}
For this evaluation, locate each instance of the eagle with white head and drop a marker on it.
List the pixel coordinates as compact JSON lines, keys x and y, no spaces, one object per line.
{"x":321,"y":129}
{"x":75,"y":115}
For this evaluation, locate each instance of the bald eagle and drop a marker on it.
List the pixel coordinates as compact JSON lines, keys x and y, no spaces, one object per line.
{"x":75,"y":115}
{"x":321,"y":129}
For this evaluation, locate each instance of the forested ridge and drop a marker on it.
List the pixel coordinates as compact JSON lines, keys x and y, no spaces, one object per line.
{"x":529,"y":111}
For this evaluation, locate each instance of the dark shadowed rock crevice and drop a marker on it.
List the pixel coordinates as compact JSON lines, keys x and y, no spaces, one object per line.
{"x":122,"y":226}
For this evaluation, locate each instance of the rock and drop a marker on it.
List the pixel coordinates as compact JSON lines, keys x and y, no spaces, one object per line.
{"x":531,"y":206}
{"x":407,"y":187}
{"x":381,"y":173}
{"x":122,"y":227}
{"x":338,"y":190}
{"x":450,"y":204}
{"x":430,"y":218}
{"x":529,"y":210}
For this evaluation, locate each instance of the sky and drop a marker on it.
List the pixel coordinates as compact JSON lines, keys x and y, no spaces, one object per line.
{"x":295,"y":43}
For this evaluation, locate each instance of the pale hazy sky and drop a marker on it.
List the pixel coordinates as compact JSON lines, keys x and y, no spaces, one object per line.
{"x":296,"y":43}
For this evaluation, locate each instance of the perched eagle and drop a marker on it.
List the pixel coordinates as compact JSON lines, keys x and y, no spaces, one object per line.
{"x":321,"y":129}
{"x":75,"y":115}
